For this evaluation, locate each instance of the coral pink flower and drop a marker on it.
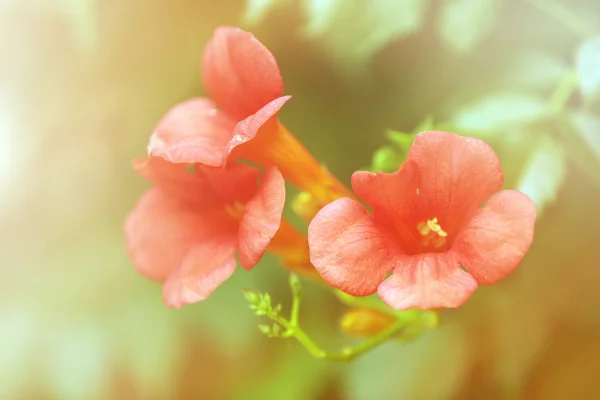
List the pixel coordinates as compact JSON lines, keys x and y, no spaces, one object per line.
{"x":239,"y":120}
{"x":426,"y":224}
{"x":186,"y":229}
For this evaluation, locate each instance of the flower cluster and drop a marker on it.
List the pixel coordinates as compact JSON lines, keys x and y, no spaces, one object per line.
{"x":218,"y":167}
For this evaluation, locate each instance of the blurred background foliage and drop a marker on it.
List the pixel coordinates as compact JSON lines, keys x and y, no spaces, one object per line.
{"x":83,"y":82}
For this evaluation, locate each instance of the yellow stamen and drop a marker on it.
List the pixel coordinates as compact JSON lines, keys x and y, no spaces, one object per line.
{"x":433,"y":233}
{"x":435,"y":227}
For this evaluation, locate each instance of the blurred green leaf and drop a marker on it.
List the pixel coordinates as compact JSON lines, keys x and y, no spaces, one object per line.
{"x":499,"y":112}
{"x":404,"y":140}
{"x":251,"y":296}
{"x":386,"y":159}
{"x":389,"y":158}
{"x":374,"y":24}
{"x":427,"y":124}
{"x":581,"y":139}
{"x":321,"y":15}
{"x":588,"y":128}
{"x":544,"y":173}
{"x":534,"y":70}
{"x":588,"y":66}
{"x":463,"y":24}
{"x":256,"y":10}
{"x":266,"y":329}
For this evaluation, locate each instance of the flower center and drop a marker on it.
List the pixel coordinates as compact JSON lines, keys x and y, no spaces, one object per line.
{"x":433,"y":234}
{"x":235,"y":209}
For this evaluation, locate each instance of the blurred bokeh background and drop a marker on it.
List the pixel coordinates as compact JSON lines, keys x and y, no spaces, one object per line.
{"x":83,"y":82}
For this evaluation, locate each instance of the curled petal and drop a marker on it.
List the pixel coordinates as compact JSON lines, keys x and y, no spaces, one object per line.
{"x":348,"y":249}
{"x":497,"y":237}
{"x":204,"y":268}
{"x":160,"y":232}
{"x":239,"y":73}
{"x":192,"y":132}
{"x":261,"y":218}
{"x":430,"y":280}
{"x":250,"y":129}
{"x":457,"y":175}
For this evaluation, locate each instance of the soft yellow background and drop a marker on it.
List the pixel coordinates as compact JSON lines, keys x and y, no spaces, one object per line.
{"x":82,"y":84}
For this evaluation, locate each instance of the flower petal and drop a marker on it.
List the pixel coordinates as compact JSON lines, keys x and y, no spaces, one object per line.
{"x":393,"y":196}
{"x":176,"y":181}
{"x":233,"y":183}
{"x":261,"y":219}
{"x":250,"y":128}
{"x":204,"y":268}
{"x":160,"y":232}
{"x":192,"y":132}
{"x":497,"y":237}
{"x":457,"y":175}
{"x":430,"y":280}
{"x":348,"y":249}
{"x":239,"y":73}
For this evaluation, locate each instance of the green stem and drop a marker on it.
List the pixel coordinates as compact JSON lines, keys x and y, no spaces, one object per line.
{"x":347,"y":354}
{"x":292,"y":329}
{"x":565,"y":16}
{"x":297,"y":297}
{"x":563,"y":92}
{"x":350,"y":353}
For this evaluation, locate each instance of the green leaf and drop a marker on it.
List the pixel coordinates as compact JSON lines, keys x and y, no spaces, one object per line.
{"x":588,"y":66}
{"x":581,"y":138}
{"x":427,"y":124}
{"x":401,"y":139}
{"x":266,"y":301}
{"x":251,"y":297}
{"x":266,"y":329}
{"x":257,"y":10}
{"x":499,"y":112}
{"x":544,"y":173}
{"x":353,"y":31}
{"x":276,"y":330}
{"x":386,"y":159}
{"x":588,"y":128}
{"x":534,"y":70}
{"x":321,"y":15}
{"x":389,"y":158}
{"x":463,"y":24}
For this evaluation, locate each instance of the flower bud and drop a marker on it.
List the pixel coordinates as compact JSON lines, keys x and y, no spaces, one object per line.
{"x":365,"y":322}
{"x":306,"y":206}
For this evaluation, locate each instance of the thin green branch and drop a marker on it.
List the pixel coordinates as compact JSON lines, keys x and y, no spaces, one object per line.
{"x":563,"y":92}
{"x":297,"y":297}
{"x":348,"y":353}
{"x":292,"y":328}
